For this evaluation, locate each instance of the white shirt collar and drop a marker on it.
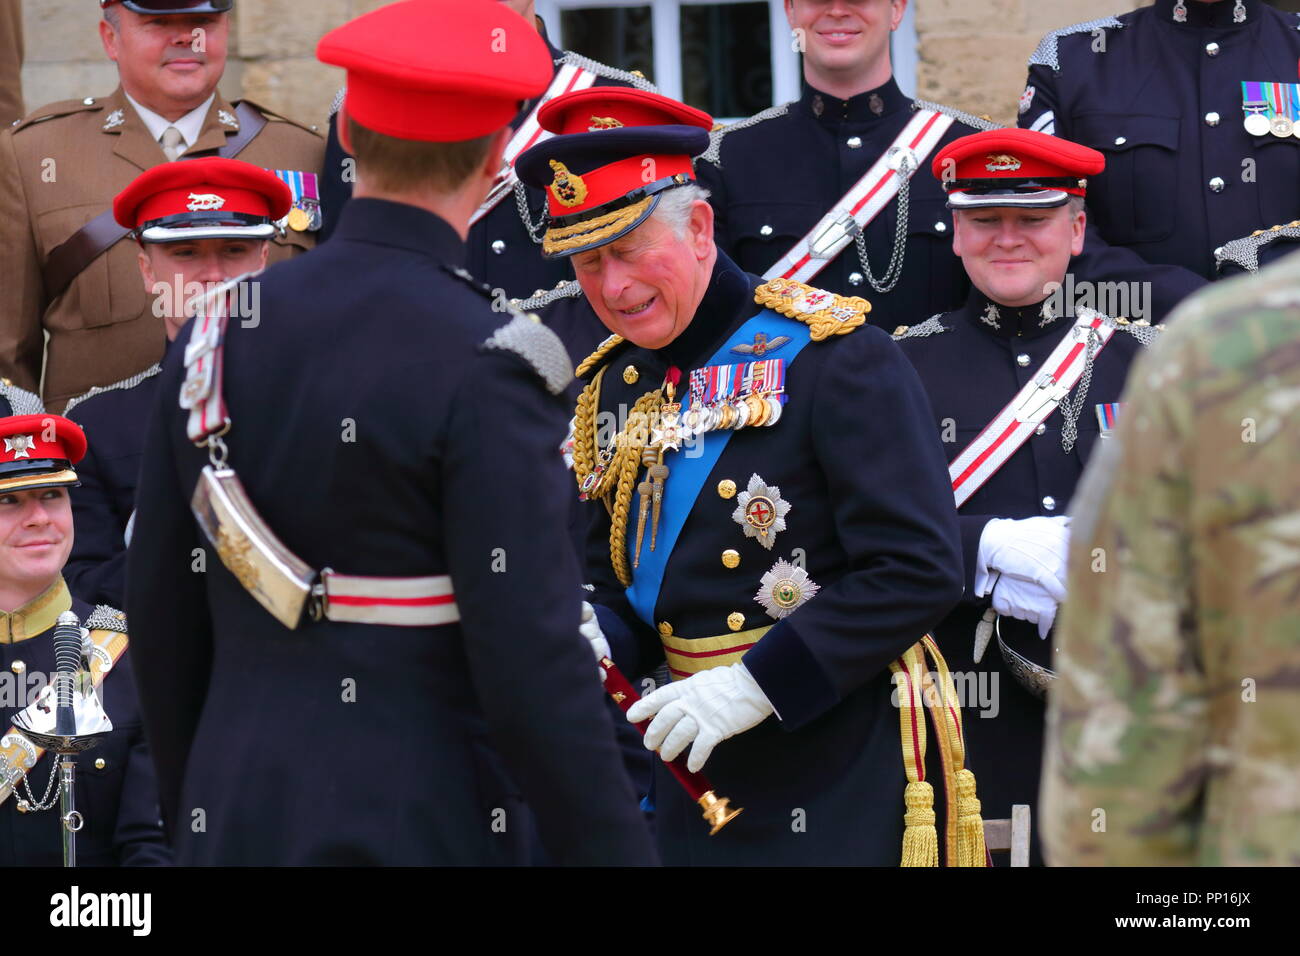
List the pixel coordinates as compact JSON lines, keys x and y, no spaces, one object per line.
{"x":190,"y":125}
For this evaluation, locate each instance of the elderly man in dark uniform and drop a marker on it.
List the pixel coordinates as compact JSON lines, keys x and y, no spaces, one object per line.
{"x":116,"y":790}
{"x":832,"y":189}
{"x":1023,"y":383}
{"x":1194,"y":104}
{"x":67,"y":271}
{"x":505,"y":231}
{"x":775,"y":573}
{"x":184,"y":247}
{"x":389,"y":685}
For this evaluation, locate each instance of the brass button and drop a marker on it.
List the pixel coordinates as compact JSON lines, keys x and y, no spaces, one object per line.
{"x":100,"y":763}
{"x":18,"y":667}
{"x":731,"y":558}
{"x":726,"y":488}
{"x":665,"y":629}
{"x":735,"y":621}
{"x":630,"y":375}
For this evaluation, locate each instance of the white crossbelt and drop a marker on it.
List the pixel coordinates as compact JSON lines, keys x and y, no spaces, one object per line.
{"x":864,"y":200}
{"x":567,"y":79}
{"x":1032,"y":406}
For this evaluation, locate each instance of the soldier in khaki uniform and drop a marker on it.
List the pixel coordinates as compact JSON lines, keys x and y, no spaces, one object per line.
{"x":1174,"y":729}
{"x":61,"y":167}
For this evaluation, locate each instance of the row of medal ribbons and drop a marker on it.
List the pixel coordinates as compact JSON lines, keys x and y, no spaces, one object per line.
{"x":1271,"y":108}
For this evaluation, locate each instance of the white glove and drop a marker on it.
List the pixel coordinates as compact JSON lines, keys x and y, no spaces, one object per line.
{"x":590,"y":629}
{"x":1032,"y":550}
{"x":1025,"y":601}
{"x":707,"y":708}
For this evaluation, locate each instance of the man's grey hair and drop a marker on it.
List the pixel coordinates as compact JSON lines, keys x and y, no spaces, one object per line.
{"x":674,"y":209}
{"x":1077,"y":204}
{"x":114,"y":17}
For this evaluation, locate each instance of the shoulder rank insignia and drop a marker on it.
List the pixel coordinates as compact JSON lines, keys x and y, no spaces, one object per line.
{"x":539,"y":347}
{"x":825,"y":313}
{"x":760,"y":511}
{"x":761,"y":345}
{"x":114,"y":119}
{"x":784,"y":589}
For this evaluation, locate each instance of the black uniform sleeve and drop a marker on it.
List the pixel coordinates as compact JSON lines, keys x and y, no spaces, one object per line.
{"x":167,"y":601}
{"x":335,"y":186}
{"x":896,"y":521}
{"x":1100,"y":261}
{"x":96,"y":568}
{"x":138,"y":836}
{"x":504,"y":487}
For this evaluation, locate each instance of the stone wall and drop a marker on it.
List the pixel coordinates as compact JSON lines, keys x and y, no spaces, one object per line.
{"x":972,"y":52}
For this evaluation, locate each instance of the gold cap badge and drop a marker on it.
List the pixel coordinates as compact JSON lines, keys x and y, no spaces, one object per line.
{"x":1002,"y":163}
{"x":567,"y":188}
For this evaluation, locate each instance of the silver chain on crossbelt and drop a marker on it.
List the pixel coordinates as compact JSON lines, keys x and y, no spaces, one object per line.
{"x":895,"y":270}
{"x":47,"y":801}
{"x":1073,"y":408}
{"x":521,"y":202}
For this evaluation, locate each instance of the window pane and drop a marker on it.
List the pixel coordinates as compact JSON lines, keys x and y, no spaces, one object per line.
{"x":621,"y":37}
{"x":726,"y":58}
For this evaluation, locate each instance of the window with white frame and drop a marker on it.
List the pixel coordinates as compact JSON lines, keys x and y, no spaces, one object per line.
{"x":730,"y":58}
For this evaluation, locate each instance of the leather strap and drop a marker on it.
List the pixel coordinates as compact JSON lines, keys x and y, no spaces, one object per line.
{"x":69,"y":258}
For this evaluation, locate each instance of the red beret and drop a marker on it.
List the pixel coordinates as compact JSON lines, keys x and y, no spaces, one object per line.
{"x":1014,"y":167}
{"x":614,"y":148}
{"x":39,"y":451}
{"x":202,"y":199}
{"x":438,"y":70}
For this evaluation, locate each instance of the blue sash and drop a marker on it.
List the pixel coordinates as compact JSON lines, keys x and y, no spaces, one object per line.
{"x":689,"y":474}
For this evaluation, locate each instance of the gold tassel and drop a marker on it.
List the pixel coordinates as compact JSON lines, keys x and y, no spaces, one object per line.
{"x":970,"y":826}
{"x":920,"y":841}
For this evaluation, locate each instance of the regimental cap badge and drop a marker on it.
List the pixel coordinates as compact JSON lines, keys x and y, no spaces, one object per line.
{"x":227,"y":119}
{"x":114,"y":119}
{"x":200,"y":201}
{"x":603,"y":122}
{"x":784,"y":589}
{"x":567,"y":188}
{"x":760,"y":511}
{"x":20,"y":446}
{"x":1002,"y":163}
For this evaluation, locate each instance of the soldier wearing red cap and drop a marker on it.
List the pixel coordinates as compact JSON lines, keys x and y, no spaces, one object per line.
{"x":117,"y":791}
{"x":776,"y":526}
{"x":197,"y":224}
{"x":1024,"y":382}
{"x":391,"y":684}
{"x":76,"y":316}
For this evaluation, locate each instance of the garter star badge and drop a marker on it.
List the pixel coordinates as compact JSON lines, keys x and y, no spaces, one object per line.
{"x":760,"y":511}
{"x":784,"y":589}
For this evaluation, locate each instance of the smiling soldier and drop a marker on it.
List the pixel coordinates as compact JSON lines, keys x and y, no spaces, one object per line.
{"x":1022,"y":387}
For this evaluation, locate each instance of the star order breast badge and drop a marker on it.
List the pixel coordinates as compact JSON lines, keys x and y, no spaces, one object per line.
{"x":20,"y":445}
{"x":784,"y":589}
{"x":760,"y":511}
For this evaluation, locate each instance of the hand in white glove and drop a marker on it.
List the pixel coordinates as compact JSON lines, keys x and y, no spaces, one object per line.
{"x":1032,"y":550}
{"x":1025,"y":601}
{"x":590,"y":629}
{"x":706,"y":708}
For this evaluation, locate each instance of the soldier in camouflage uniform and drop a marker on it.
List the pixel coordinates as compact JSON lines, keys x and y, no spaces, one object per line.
{"x":1173,"y":733}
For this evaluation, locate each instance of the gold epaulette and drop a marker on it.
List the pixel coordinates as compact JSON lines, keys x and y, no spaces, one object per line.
{"x":825,"y":313}
{"x":596,"y":358}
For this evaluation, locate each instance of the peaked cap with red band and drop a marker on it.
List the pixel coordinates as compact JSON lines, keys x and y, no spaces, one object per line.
{"x":1014,"y":167}
{"x":203,"y":199}
{"x":615,"y":150}
{"x":438,"y":71}
{"x":38,"y":451}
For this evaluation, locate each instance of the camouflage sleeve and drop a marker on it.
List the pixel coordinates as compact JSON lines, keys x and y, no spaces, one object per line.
{"x":1124,"y":763}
